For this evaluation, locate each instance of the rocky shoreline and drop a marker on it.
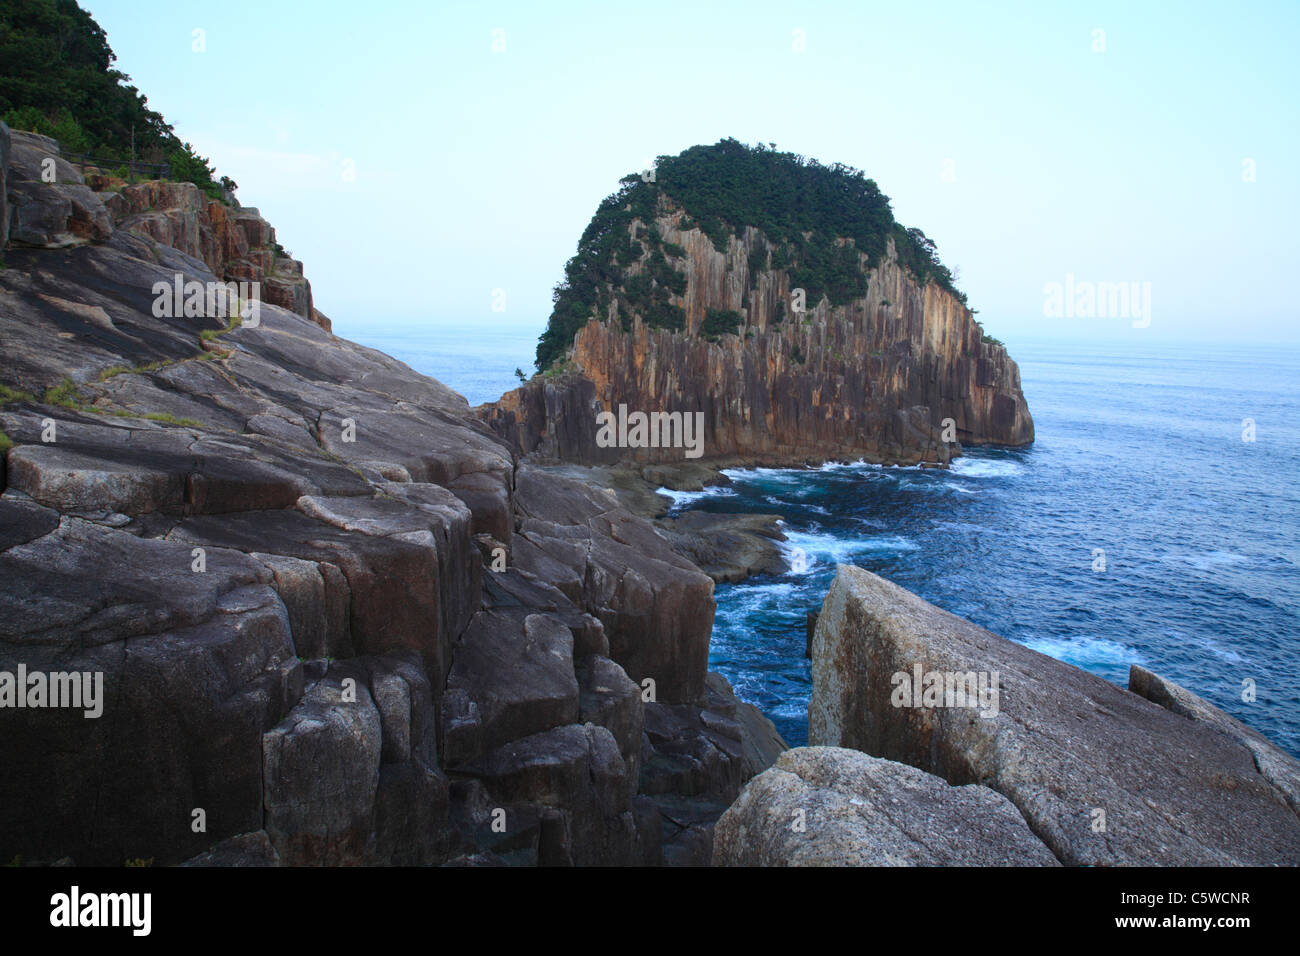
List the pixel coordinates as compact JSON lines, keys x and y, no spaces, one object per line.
{"x":342,"y":619}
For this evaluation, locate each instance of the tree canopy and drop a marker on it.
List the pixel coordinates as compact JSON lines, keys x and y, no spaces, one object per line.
{"x":58,"y":79}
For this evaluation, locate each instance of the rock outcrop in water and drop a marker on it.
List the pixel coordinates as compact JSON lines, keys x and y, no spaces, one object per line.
{"x":1101,"y":775}
{"x":871,"y":369}
{"x":334,"y":618}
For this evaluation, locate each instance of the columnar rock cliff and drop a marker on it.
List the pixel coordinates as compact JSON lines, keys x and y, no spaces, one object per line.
{"x":873,"y":377}
{"x":335,"y":621}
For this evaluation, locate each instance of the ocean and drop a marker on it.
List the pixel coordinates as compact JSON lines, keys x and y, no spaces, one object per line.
{"x":1153,"y":521}
{"x":479,"y":365}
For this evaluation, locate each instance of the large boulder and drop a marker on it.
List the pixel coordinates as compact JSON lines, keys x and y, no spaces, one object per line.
{"x":728,"y":548}
{"x":1103,"y":776}
{"x":40,"y":216}
{"x":827,"y":806}
{"x":572,"y":784}
{"x":52,"y":206}
{"x":321,"y":774}
{"x":517,"y":669}
{"x":392,"y":582}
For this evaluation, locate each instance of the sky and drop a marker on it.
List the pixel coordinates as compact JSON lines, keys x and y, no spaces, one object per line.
{"x":421,"y":156}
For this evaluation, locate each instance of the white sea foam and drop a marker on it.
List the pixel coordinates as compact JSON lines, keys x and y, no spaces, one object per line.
{"x":986,"y":467}
{"x":1209,"y":560}
{"x":1223,"y":653}
{"x":827,"y":549}
{"x":776,"y":502}
{"x":790,"y":710}
{"x":682,"y":499}
{"x":1086,"y":653}
{"x":755,"y":598}
{"x":783,"y":476}
{"x":858,"y":465}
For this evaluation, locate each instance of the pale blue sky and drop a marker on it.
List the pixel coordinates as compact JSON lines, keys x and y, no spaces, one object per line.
{"x":476,"y":170}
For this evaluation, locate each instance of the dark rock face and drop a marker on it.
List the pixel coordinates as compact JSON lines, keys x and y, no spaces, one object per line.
{"x":193,"y":674}
{"x":518,"y":670}
{"x":1103,"y":776}
{"x":873,"y":379}
{"x":275,"y":548}
{"x":656,"y":607}
{"x":247,"y":849}
{"x":4,"y":185}
{"x":320,"y":775}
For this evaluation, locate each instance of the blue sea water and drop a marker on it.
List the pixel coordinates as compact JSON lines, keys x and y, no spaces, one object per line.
{"x":1141,"y":455}
{"x":477,"y":362}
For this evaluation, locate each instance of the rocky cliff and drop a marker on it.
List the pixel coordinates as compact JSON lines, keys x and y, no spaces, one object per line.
{"x":1099,"y":775}
{"x":335,"y":621}
{"x":867,"y":362}
{"x":56,"y":205}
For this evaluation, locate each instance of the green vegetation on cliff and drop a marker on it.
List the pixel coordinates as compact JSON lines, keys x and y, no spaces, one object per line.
{"x":58,"y":79}
{"x":819,"y":219}
{"x":720,"y":322}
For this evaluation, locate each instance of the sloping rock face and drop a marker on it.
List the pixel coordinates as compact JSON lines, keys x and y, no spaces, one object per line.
{"x":827,"y":806}
{"x":1103,"y":776}
{"x":323,"y":615}
{"x":5,"y":146}
{"x":1277,"y":766}
{"x":873,"y":379}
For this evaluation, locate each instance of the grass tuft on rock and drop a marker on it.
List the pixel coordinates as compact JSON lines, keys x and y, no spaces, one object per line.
{"x":64,"y":394}
{"x":8,"y":395}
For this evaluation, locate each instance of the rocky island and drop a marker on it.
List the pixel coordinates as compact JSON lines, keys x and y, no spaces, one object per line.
{"x":778,"y":299}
